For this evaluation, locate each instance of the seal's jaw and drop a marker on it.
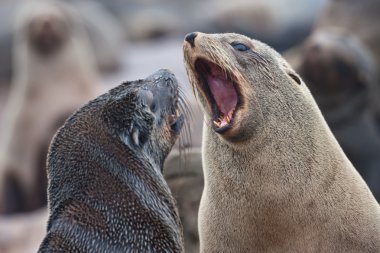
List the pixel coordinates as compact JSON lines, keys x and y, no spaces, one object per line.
{"x":162,"y":99}
{"x":221,"y":92}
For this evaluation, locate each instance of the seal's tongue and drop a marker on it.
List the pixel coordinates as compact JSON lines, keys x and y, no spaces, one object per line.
{"x":223,"y":92}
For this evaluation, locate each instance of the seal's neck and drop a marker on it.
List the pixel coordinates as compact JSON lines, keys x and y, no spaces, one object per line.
{"x":285,"y":151}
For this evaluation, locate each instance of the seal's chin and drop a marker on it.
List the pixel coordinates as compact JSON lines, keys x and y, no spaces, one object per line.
{"x":221,"y":92}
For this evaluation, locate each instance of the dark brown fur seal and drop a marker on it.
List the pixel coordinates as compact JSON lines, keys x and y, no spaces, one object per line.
{"x":340,"y":62}
{"x":106,"y":188}
{"x":340,"y":71}
{"x":357,"y":18}
{"x":276,"y":180}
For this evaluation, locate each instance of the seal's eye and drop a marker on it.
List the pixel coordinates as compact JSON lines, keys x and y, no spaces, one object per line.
{"x":239,"y":46}
{"x":153,"y":107}
{"x":176,"y":122}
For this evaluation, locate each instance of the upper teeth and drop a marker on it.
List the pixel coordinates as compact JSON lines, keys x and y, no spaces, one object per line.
{"x":172,"y":118}
{"x":222,"y":121}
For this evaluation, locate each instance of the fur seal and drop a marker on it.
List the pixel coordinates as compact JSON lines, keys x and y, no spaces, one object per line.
{"x":54,"y":74}
{"x":345,"y":37}
{"x":340,"y":71}
{"x":276,"y":179}
{"x":357,"y":19}
{"x":106,"y":188}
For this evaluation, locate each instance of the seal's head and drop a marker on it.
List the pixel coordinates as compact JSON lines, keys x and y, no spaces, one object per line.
{"x":146,"y":115}
{"x":47,"y":34}
{"x":233,"y":77}
{"x":337,"y":67}
{"x":47,"y":28}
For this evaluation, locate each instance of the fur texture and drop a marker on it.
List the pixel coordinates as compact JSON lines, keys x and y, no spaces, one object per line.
{"x":106,"y":188}
{"x":277,"y":180}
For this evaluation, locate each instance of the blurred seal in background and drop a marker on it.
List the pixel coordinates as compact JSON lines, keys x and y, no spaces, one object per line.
{"x":54,"y":73}
{"x":340,"y":63}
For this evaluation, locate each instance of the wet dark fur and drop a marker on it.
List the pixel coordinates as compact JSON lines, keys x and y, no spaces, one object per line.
{"x":106,"y":194}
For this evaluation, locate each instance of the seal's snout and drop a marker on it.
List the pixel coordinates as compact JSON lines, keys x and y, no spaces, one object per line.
{"x":190,"y":38}
{"x":163,"y":77}
{"x":162,"y":73}
{"x":161,"y":93}
{"x":164,"y":84}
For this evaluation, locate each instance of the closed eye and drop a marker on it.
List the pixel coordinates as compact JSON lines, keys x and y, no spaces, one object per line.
{"x":153,"y":107}
{"x":240,"y":46}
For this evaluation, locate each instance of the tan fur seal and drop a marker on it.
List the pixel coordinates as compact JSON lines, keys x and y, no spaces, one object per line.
{"x":106,"y":188}
{"x":276,"y":179}
{"x":54,"y":74}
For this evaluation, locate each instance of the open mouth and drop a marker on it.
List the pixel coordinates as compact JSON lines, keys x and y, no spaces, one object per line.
{"x":221,"y":91}
{"x":176,"y":119}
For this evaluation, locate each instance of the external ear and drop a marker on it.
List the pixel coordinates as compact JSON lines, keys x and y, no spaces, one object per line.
{"x":295,"y":77}
{"x":135,"y":137}
{"x":291,"y":73}
{"x":131,"y":139}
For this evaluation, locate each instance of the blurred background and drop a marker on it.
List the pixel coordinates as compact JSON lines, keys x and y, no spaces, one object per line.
{"x":57,"y":55}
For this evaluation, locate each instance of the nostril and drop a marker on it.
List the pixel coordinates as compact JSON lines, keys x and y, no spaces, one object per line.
{"x":190,"y":37}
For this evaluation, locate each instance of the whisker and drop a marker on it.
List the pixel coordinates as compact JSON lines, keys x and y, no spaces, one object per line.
{"x":186,"y":128}
{"x":185,"y":139}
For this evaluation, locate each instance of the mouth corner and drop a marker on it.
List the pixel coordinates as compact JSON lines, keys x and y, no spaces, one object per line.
{"x":176,"y":122}
{"x":222,"y":92}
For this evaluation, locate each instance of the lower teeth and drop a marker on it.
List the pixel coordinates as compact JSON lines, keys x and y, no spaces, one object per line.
{"x":220,"y":122}
{"x":223,"y":120}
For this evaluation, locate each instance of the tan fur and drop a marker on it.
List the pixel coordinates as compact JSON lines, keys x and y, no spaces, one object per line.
{"x":277,"y":181}
{"x":45,"y":90}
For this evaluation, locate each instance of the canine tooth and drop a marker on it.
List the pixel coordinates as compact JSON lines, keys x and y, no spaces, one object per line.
{"x":172,"y":118}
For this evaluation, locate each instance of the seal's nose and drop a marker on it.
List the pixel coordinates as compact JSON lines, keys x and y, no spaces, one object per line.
{"x":190,"y":37}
